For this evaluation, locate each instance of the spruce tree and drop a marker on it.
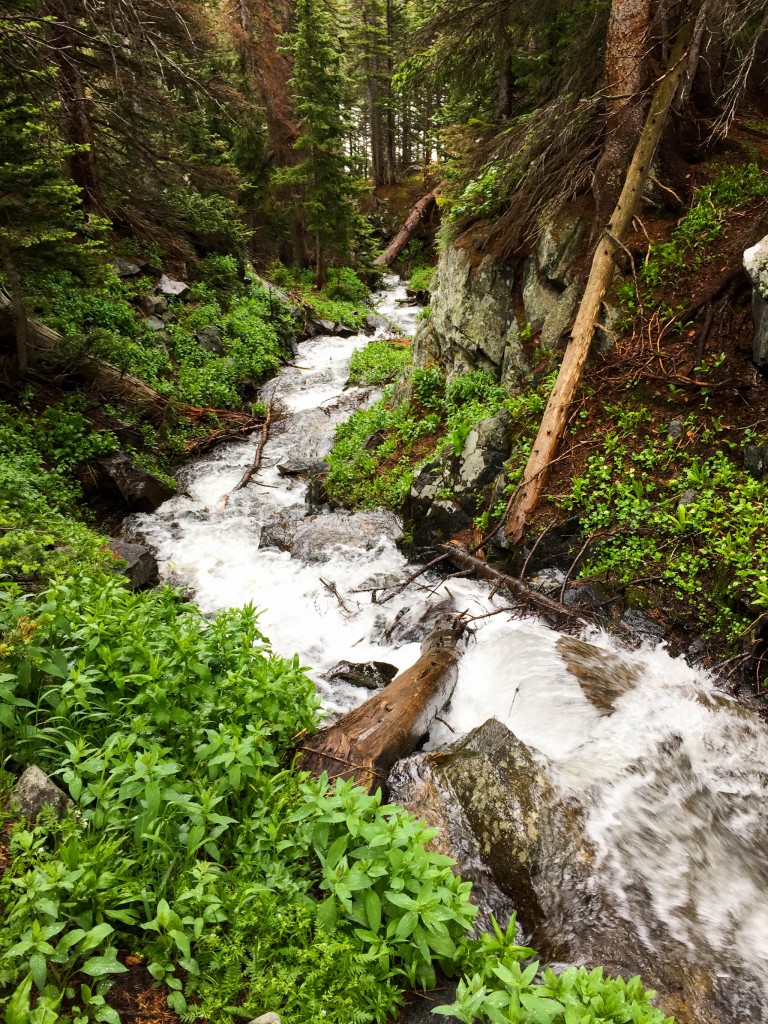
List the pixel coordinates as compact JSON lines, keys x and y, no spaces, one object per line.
{"x":323,"y":186}
{"x":39,"y":205}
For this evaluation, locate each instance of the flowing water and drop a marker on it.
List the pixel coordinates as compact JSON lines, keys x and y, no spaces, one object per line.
{"x":670,"y":776}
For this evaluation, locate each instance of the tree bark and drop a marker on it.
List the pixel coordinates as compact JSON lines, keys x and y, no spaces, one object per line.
{"x":464,"y":559}
{"x":365,"y":743}
{"x":20,"y":318}
{"x":400,"y":240}
{"x":555,"y":415}
{"x":625,"y":47}
{"x":76,"y":126}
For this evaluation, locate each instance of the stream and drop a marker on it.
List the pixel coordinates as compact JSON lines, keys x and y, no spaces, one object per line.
{"x":666,"y":776}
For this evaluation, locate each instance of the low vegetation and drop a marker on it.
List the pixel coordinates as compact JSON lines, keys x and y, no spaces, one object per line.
{"x":377,"y":450}
{"x":239,"y":883}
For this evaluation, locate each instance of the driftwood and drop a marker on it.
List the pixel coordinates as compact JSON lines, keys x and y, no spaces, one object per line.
{"x":254,"y":466}
{"x":367,"y":741}
{"x":571,"y":370}
{"x":400,"y":240}
{"x":463,"y":559}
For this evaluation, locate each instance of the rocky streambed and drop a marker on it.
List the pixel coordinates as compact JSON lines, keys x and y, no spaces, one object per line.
{"x":615,"y":798}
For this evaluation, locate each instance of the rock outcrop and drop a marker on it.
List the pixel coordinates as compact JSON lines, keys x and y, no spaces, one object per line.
{"x":444,"y":493}
{"x":474,"y":323}
{"x":756,"y":266}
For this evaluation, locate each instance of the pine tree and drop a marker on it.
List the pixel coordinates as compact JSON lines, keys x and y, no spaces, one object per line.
{"x":323,"y":186}
{"x":39,"y":205}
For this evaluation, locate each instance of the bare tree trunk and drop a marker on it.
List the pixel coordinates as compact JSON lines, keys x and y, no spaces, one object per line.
{"x":625,"y":47}
{"x":400,"y":240}
{"x":554,"y":419}
{"x":74,"y":116}
{"x":365,"y":743}
{"x":374,"y":120}
{"x":20,"y":319}
{"x":505,"y":91}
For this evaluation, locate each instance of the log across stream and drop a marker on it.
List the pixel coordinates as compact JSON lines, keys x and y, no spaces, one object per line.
{"x":666,"y":777}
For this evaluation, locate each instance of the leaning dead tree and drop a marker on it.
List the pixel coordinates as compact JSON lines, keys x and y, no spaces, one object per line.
{"x":555,"y":415}
{"x":365,"y":743}
{"x":402,"y":237}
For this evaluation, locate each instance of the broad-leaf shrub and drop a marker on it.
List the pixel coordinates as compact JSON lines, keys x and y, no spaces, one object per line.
{"x":410,"y":909}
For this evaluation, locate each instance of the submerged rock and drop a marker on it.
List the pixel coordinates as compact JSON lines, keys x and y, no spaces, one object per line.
{"x":34,"y":790}
{"x":370,"y":675}
{"x":318,"y":538}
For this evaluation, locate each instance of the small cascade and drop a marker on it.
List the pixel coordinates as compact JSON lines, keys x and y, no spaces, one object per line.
{"x":665,"y":778}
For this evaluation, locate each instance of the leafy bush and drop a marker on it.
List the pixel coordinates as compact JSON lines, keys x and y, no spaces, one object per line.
{"x":379,"y":362}
{"x":410,"y":910}
{"x":38,"y":536}
{"x":507,"y":990}
{"x":343,"y":283}
{"x":421,"y":278}
{"x":191,"y":843}
{"x":636,"y":487}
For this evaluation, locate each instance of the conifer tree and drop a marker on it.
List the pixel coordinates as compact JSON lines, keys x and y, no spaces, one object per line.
{"x":39,"y":205}
{"x":323,"y":186}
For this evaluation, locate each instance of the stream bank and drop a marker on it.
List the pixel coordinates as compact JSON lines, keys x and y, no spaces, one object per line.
{"x":642,"y":787}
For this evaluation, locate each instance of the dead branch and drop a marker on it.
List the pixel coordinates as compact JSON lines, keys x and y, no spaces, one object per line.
{"x":254,"y":466}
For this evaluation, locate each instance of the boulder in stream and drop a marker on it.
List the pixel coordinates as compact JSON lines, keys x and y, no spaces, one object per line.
{"x":318,"y":538}
{"x":370,"y":675}
{"x":136,"y":488}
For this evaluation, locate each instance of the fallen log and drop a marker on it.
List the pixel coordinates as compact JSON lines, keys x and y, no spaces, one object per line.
{"x":462,"y":559}
{"x":367,"y":741}
{"x":103,"y":376}
{"x":402,"y":237}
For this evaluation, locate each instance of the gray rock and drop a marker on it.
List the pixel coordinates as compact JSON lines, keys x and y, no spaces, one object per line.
{"x":688,"y":497}
{"x":485,"y":451}
{"x":472,"y":324}
{"x":301,"y":467}
{"x":431,"y":510}
{"x":34,"y":790}
{"x":153,"y":305}
{"x":277,"y":531}
{"x":141,"y":564}
{"x":266,"y":1018}
{"x":318,"y":538}
{"x":210,"y":338}
{"x":172,"y":288}
{"x":136,"y":488}
{"x":375,"y":324}
{"x":342,"y":331}
{"x":756,"y":460}
{"x":676,"y":428}
{"x":324,"y":326}
{"x":155,"y":323}
{"x":124,"y":268}
{"x":756,"y":266}
{"x":317,"y":493}
{"x":555,"y":550}
{"x":370,"y":675}
{"x":443,"y":495}
{"x":760,"y":340}
{"x":643,"y":626}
